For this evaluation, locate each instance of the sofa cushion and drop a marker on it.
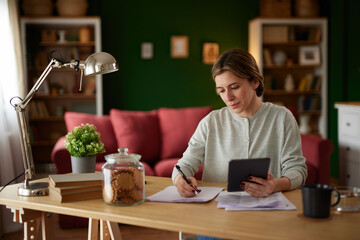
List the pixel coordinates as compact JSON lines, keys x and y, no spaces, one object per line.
{"x":164,"y":168}
{"x":138,"y":131}
{"x":103,"y":126}
{"x":177,"y":126}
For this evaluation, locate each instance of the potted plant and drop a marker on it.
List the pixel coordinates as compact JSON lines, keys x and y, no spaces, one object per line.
{"x":83,"y":144}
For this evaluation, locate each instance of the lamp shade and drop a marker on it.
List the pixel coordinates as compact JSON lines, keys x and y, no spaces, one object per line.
{"x":100,"y":63}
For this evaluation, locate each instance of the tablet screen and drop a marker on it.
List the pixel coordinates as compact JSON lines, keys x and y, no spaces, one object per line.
{"x":241,"y":169}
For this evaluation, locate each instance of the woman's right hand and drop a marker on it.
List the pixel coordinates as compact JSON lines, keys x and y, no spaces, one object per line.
{"x":184,"y":188}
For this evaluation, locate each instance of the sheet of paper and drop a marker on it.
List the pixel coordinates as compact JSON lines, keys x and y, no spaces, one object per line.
{"x":235,"y":201}
{"x":170,"y":194}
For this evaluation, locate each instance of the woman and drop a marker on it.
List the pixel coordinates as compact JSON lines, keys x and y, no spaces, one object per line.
{"x":245,"y":128}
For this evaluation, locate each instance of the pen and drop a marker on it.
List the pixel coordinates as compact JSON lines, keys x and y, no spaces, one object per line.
{"x":185,"y":178}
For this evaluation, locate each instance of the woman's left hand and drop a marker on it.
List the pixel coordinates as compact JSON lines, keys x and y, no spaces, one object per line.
{"x":264,"y":188}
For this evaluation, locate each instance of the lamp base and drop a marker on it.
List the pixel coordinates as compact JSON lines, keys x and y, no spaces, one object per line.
{"x":34,"y":189}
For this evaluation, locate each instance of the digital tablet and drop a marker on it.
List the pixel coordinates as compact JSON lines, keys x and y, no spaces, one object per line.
{"x":241,"y":169}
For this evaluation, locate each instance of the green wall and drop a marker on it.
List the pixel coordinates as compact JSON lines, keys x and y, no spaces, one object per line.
{"x":165,"y":81}
{"x":344,"y":64}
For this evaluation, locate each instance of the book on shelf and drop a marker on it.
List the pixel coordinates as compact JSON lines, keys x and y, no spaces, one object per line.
{"x":306,"y":82}
{"x":316,"y":103}
{"x":74,"y":196}
{"x":75,"y":179}
{"x":315,"y":34}
{"x":43,"y":110}
{"x":301,"y":103}
{"x":302,"y":84}
{"x":267,"y":57}
{"x":38,"y":109}
{"x":318,"y":83}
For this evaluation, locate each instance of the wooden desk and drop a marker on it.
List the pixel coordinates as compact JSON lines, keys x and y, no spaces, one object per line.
{"x":200,"y":218}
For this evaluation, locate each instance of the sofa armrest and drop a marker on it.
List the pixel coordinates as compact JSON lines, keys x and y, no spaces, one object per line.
{"x":61,"y":157}
{"x":317,"y":152}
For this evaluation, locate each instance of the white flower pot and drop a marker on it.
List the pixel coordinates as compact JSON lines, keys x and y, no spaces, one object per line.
{"x":83,"y":164}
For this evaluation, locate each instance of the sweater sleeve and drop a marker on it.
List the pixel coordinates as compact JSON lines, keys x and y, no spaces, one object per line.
{"x":292,"y":160}
{"x":193,"y":157}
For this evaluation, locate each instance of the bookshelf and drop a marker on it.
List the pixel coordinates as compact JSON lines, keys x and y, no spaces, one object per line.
{"x":73,"y":38}
{"x":292,"y":56}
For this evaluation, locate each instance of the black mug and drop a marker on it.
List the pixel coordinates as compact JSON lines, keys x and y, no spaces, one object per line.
{"x":317,"y":200}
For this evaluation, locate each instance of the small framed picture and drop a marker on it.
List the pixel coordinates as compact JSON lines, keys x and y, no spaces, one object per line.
{"x":309,"y":55}
{"x":147,"y":50}
{"x":210,"y":52}
{"x":179,"y":46}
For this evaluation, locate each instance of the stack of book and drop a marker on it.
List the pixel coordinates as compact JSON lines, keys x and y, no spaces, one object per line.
{"x":75,"y":187}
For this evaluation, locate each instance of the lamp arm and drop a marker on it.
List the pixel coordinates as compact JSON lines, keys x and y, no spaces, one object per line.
{"x":53,"y":63}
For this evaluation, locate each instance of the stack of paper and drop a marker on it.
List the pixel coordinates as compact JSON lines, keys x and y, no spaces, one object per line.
{"x":235,"y":201}
{"x":75,"y":187}
{"x":170,"y":194}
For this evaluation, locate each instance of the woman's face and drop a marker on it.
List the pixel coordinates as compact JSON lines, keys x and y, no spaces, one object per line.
{"x":238,"y":93}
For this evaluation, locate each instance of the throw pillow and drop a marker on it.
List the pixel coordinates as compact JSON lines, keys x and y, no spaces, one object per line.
{"x":177,"y":126}
{"x":138,"y":131}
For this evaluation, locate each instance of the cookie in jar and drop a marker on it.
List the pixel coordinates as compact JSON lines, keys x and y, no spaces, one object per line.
{"x":124,"y":179}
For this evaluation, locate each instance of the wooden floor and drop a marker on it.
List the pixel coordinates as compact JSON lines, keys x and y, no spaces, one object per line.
{"x":128,"y":232}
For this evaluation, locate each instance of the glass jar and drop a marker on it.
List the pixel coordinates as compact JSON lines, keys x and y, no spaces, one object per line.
{"x":124,"y":179}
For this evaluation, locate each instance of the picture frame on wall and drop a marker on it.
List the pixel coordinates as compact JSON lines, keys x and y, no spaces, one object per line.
{"x":179,"y":46}
{"x":210,"y":52}
{"x":147,"y":50}
{"x":309,"y":55}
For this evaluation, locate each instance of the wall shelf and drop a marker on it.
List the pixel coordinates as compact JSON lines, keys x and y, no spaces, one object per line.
{"x":60,"y":91}
{"x":290,"y":36}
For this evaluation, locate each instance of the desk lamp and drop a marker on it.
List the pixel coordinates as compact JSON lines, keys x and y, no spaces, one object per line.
{"x":97,"y":63}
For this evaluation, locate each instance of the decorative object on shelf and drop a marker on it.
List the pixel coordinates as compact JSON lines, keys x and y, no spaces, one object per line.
{"x":179,"y":46}
{"x":275,"y":8}
{"x":279,"y":57}
{"x":210,"y":52}
{"x":84,"y":34}
{"x":306,"y":8}
{"x":48,"y":35}
{"x":304,"y":123}
{"x":71,"y":7}
{"x":62,"y":35}
{"x":289,"y":83}
{"x":97,"y":63}
{"x":84,"y":143}
{"x":309,"y":55}
{"x":289,"y":62}
{"x":38,"y":7}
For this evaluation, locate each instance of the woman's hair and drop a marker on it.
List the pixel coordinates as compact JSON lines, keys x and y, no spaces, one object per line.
{"x":242,"y":64}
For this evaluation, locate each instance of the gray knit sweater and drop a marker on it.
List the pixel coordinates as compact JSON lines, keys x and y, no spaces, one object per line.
{"x":222,"y":135}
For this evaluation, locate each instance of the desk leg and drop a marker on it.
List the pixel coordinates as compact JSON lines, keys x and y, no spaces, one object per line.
{"x":93,"y":229}
{"x":109,"y":230}
{"x":32,"y":220}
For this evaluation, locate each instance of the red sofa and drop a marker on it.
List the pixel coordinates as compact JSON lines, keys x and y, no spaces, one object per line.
{"x":160,"y":137}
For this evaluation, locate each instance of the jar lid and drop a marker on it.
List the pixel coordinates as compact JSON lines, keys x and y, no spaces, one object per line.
{"x":122,"y":156}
